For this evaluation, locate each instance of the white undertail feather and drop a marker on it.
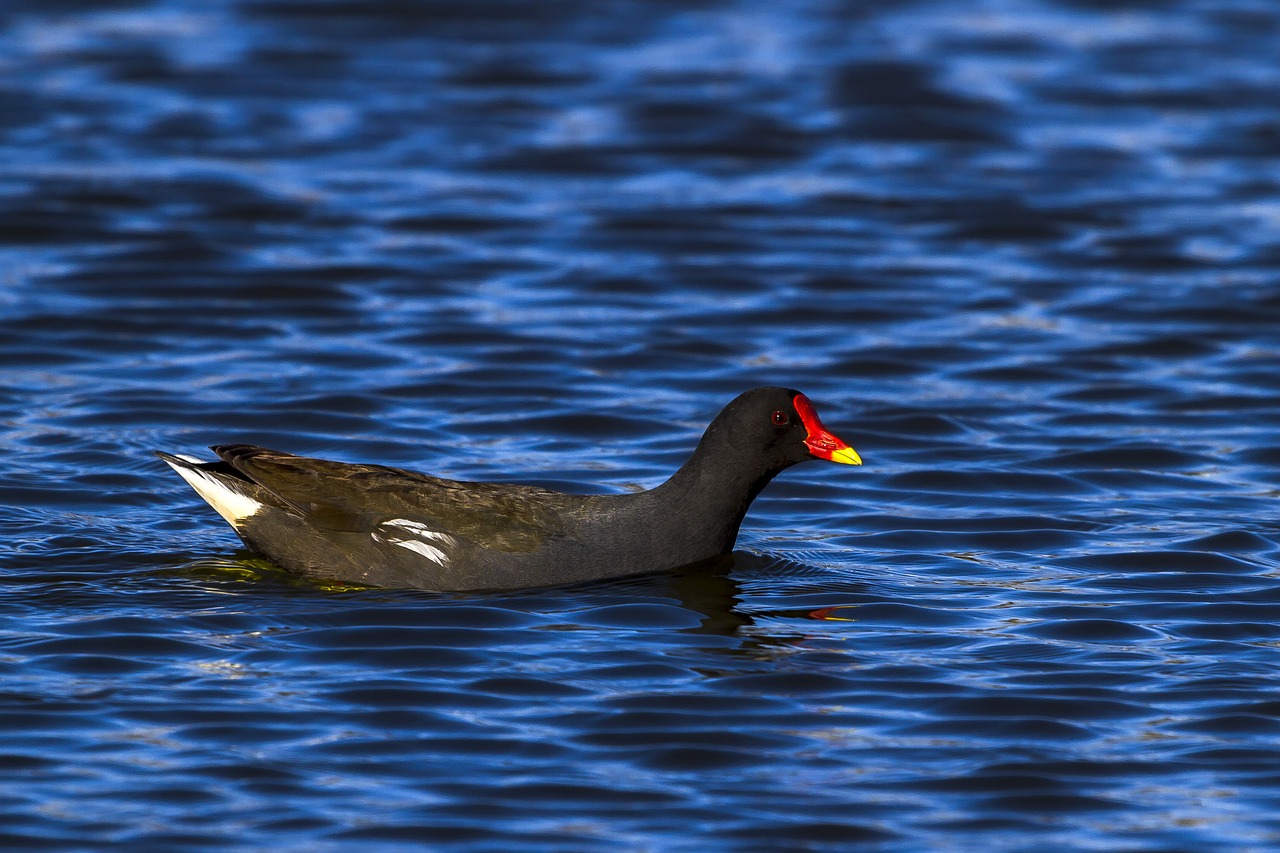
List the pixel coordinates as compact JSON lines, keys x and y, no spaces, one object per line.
{"x":232,"y":505}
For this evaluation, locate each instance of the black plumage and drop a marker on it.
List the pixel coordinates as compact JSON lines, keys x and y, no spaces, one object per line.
{"x":382,"y":526}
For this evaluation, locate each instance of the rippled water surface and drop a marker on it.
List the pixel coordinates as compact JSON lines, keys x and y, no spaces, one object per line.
{"x":1024,"y":256}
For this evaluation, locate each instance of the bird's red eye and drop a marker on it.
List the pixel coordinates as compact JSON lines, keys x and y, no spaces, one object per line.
{"x":780,"y":418}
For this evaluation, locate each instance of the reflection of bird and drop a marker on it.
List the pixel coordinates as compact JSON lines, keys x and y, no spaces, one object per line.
{"x":380,"y":526}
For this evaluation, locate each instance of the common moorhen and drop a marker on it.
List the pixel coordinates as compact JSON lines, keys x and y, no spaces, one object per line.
{"x":380,"y":526}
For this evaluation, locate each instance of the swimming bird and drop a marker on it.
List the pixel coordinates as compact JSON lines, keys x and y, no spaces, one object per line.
{"x":379,"y":526}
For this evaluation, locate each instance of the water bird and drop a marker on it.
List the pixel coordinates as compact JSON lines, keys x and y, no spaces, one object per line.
{"x":375,"y":525}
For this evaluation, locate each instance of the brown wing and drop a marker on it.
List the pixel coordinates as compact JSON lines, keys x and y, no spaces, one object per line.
{"x":345,"y":497}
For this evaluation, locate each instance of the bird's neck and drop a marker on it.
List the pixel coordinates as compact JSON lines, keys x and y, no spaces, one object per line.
{"x":708,"y":497}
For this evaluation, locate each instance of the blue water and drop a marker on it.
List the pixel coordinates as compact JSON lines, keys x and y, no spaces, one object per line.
{"x":1024,"y":256}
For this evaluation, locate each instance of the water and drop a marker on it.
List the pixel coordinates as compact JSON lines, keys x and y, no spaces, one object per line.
{"x":1022,"y":255}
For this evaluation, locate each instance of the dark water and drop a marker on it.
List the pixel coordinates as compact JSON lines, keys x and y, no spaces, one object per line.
{"x":1025,"y":256}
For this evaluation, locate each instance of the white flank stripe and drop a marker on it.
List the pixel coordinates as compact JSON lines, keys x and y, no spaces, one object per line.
{"x":433,"y":554}
{"x":234,"y":506}
{"x":418,"y":529}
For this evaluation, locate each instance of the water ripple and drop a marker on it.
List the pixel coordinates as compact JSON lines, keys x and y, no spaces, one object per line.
{"x":1022,"y":256}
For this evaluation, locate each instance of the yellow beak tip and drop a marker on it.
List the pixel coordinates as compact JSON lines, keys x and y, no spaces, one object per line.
{"x":846,"y":456}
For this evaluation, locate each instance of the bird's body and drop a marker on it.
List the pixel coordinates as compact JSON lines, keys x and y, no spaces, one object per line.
{"x":380,"y":526}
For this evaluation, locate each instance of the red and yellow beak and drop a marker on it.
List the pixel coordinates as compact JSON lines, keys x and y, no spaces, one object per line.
{"x":820,"y":441}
